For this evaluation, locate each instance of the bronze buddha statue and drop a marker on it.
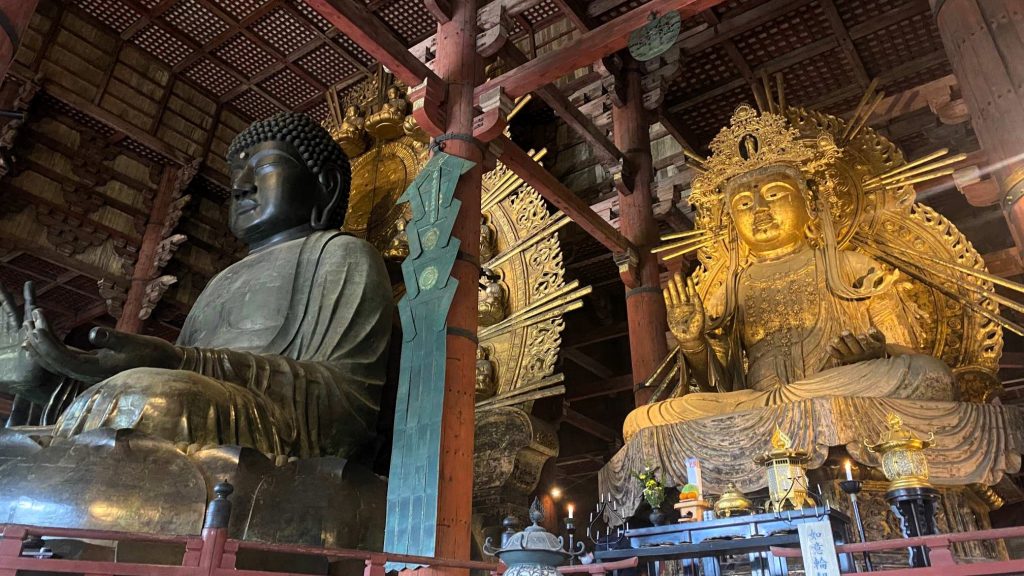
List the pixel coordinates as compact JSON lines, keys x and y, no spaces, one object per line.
{"x":284,"y":351}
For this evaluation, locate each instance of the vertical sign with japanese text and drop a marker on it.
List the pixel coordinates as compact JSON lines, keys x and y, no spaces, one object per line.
{"x":818,"y":549}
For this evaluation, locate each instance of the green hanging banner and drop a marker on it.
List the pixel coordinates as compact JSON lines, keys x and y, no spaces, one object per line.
{"x":429,"y":290}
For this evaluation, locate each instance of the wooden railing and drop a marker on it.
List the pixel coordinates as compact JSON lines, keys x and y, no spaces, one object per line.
{"x":938,"y":546}
{"x":214,"y":554}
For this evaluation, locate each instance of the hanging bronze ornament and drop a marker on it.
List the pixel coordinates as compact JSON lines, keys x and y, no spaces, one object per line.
{"x":656,"y":37}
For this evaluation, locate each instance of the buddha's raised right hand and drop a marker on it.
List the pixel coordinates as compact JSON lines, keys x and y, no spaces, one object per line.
{"x":685,"y":311}
{"x":19,"y":372}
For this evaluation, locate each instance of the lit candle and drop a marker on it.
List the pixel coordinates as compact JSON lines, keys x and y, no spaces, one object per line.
{"x":571,"y":508}
{"x":849,"y":470}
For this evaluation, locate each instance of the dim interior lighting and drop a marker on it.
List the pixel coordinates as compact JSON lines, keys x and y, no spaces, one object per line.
{"x":556,"y":492}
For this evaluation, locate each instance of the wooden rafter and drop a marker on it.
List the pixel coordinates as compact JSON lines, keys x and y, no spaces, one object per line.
{"x":589,"y":425}
{"x":561,"y":197}
{"x":589,"y":48}
{"x":603,"y":148}
{"x":845,"y":42}
{"x":354,"y":20}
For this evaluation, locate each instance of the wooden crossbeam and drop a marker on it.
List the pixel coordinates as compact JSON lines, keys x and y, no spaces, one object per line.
{"x":561,"y":197}
{"x":589,"y":48}
{"x":101,"y":115}
{"x":845,"y":42}
{"x":601,"y":388}
{"x":589,"y":425}
{"x":606,"y":152}
{"x":354,"y":20}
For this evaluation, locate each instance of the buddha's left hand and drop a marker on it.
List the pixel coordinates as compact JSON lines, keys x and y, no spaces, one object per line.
{"x":116,"y":352}
{"x":849,"y":348}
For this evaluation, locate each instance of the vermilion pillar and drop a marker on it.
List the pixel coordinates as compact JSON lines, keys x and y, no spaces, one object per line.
{"x":14,"y":18}
{"x":984,"y":40}
{"x":458,"y":64}
{"x":645,"y":308}
{"x":145,"y":265}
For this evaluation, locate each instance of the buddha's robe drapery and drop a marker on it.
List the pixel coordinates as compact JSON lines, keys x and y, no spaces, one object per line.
{"x":284,"y":351}
{"x":786,"y":319}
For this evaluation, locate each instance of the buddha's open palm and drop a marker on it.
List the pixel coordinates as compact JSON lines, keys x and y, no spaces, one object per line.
{"x":19,"y":373}
{"x":685,"y":310}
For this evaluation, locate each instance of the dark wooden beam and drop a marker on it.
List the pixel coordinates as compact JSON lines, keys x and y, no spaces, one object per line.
{"x":589,"y":48}
{"x":601,"y":388}
{"x":595,"y":335}
{"x":576,"y":13}
{"x":677,"y":129}
{"x":353,"y":19}
{"x":606,"y":152}
{"x":589,"y":425}
{"x":845,"y":42}
{"x":561,"y":197}
{"x":589,"y":362}
{"x":101,"y":115}
{"x":744,"y":22}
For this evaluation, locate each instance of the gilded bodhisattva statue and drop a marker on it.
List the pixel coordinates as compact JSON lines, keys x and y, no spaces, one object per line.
{"x":797,"y":316}
{"x":284,"y":351}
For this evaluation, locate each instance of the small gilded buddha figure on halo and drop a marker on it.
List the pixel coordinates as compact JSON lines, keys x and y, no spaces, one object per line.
{"x":284,"y":351}
{"x":795,"y":316}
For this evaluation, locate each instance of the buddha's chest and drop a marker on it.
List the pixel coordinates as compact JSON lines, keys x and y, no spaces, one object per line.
{"x":780,"y":305}
{"x":245,"y":306}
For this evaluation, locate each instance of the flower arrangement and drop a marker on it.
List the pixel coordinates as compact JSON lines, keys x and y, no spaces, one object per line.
{"x":653,"y":489}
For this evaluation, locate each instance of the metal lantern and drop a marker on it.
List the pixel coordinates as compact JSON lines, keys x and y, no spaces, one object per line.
{"x":534,"y":551}
{"x":902,"y":452}
{"x":787,"y":474}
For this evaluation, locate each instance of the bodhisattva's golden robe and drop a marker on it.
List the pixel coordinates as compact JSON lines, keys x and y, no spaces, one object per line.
{"x":776,"y":345}
{"x":284,"y":351}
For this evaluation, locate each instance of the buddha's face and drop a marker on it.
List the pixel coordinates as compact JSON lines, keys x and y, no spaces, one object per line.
{"x":768,"y":210}
{"x":272,"y":191}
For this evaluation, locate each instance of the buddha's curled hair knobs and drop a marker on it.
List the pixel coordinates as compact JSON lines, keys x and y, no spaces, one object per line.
{"x":312,"y":141}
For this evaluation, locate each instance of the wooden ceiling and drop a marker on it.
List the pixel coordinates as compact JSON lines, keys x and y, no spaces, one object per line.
{"x":263,"y":56}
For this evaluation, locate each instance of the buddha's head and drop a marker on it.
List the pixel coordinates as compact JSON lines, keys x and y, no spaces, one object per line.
{"x":768,"y":207}
{"x":351,"y":112}
{"x":287,"y":174}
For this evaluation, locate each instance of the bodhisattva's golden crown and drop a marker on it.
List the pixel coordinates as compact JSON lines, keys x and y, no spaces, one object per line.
{"x":753,"y":141}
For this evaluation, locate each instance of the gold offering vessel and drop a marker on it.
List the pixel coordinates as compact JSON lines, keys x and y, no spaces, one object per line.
{"x":733,"y":503}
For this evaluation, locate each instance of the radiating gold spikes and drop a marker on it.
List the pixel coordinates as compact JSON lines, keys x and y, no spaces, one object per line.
{"x":527,"y":242}
{"x":997,"y":280}
{"x":520,"y":103}
{"x":922,"y":169}
{"x":864,"y":99}
{"x":868,"y":111}
{"x":928,"y":158}
{"x":913,"y":271}
{"x":334,"y":106}
{"x":768,"y":100}
{"x":922,"y":178}
{"x":691,"y":248}
{"x":782,"y":93}
{"x":565,"y":299}
{"x":508,"y":183}
{"x":685,"y":234}
{"x":695,"y":159}
{"x":680,"y":244}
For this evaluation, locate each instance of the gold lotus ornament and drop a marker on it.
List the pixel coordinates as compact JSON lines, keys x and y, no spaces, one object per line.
{"x":787,"y":474}
{"x":902,"y":452}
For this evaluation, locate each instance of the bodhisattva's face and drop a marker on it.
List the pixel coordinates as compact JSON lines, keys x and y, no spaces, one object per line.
{"x":272,"y":191}
{"x":768,"y":211}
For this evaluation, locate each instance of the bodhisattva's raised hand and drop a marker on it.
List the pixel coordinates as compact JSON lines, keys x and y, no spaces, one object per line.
{"x":849,"y":348}
{"x":686,"y":318}
{"x":19,"y":373}
{"x":116,"y":351}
